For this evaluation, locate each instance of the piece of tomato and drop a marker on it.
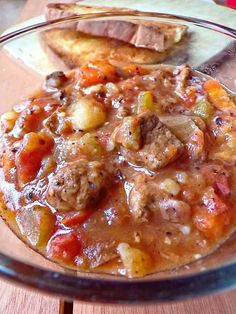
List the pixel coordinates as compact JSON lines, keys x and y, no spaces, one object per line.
{"x":34,"y":147}
{"x":189,"y":96}
{"x":217,"y":176}
{"x":209,"y":224}
{"x":64,"y":247}
{"x":77,"y":218}
{"x":96,"y":72}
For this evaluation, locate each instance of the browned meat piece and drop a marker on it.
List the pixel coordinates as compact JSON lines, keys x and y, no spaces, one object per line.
{"x":182,"y":75}
{"x":55,"y":79}
{"x":148,"y":142}
{"x":146,"y":196}
{"x":141,"y":199}
{"x":76,"y":186}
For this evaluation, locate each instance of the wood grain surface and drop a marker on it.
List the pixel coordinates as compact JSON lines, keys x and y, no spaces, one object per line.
{"x":16,"y":300}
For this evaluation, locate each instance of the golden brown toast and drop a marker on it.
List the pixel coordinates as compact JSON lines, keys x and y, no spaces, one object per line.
{"x":76,"y":48}
{"x":158,"y":36}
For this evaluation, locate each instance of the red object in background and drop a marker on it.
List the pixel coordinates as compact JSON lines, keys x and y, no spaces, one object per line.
{"x":231,"y":3}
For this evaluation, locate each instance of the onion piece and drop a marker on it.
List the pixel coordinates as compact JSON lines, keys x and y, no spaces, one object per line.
{"x":182,"y":126}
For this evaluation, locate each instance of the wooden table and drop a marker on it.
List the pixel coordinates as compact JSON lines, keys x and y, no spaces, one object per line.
{"x":17,"y":300}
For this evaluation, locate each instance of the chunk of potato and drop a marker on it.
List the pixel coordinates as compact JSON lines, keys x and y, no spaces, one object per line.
{"x":36,"y":223}
{"x":7,"y":121}
{"x":136,"y":262}
{"x":170,"y":186}
{"x":90,"y":144}
{"x":86,"y":114}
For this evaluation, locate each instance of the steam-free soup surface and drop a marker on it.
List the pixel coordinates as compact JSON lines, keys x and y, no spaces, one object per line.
{"x":126,"y":171}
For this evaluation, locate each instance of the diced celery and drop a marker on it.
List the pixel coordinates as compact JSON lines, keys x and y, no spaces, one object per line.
{"x":145,"y":102}
{"x":90,"y":144}
{"x":36,"y":223}
{"x":204,"y":110}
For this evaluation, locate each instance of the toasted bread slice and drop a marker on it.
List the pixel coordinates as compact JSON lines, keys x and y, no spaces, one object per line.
{"x":76,"y":48}
{"x":158,"y":36}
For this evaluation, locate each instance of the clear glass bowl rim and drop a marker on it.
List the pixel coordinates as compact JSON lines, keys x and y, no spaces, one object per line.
{"x":121,"y":290}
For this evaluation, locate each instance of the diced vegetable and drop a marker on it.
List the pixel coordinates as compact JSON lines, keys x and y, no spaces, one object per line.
{"x":181,"y":177}
{"x":48,"y":164}
{"x":188,"y":132}
{"x":226,"y":150}
{"x":210,"y":224}
{"x":94,"y":89}
{"x":217,"y":177}
{"x":204,"y":110}
{"x":170,"y":186}
{"x":86,"y":114}
{"x":179,"y":32}
{"x":128,"y":133}
{"x":34,"y":147}
{"x":182,"y":126}
{"x":185,"y":229}
{"x":136,"y":262}
{"x":36,"y":223}
{"x":145,"y":102}
{"x":96,"y":72}
{"x":111,"y":88}
{"x":218,"y":96}
{"x":28,"y":120}
{"x":76,"y":218}
{"x":64,"y":247}
{"x":8,"y":120}
{"x":90,"y":145}
{"x":189,"y":96}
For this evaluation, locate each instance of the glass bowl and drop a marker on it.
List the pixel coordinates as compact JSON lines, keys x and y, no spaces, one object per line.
{"x":209,"y":48}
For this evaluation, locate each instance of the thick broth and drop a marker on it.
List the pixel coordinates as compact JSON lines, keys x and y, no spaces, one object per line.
{"x":125,"y":171}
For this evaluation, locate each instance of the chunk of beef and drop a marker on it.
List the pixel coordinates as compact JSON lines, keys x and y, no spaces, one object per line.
{"x":157,"y":145}
{"x":146,"y":196}
{"x":77,"y":185}
{"x":182,"y":73}
{"x":141,"y":198}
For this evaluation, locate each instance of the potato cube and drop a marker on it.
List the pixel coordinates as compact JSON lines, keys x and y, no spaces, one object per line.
{"x":90,"y":145}
{"x":136,"y":262}
{"x":86,"y":114}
